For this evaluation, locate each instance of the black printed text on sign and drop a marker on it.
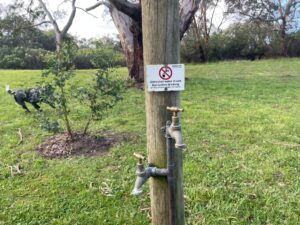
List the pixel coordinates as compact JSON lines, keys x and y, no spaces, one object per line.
{"x":169,"y":77}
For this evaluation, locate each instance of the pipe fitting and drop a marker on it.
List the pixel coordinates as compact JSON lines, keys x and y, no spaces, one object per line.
{"x":144,"y":175}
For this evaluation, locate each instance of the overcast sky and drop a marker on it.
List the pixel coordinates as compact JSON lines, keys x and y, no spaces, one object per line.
{"x":87,"y":26}
{"x":84,"y":25}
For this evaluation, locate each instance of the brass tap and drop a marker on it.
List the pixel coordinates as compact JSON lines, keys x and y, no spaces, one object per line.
{"x":173,"y":129}
{"x":140,"y":157}
{"x":175,"y":111}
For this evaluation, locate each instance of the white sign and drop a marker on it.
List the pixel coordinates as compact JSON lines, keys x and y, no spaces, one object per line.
{"x":168,"y":77}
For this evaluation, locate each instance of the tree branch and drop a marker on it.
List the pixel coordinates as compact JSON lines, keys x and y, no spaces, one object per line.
{"x":132,"y":10}
{"x":188,"y":8}
{"x":32,"y":26}
{"x":84,"y":10}
{"x":56,"y":28}
{"x":212,"y":16}
{"x":107,"y":4}
{"x":70,"y":21}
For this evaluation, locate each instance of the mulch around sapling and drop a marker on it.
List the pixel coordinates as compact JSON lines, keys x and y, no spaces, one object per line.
{"x":61,"y":145}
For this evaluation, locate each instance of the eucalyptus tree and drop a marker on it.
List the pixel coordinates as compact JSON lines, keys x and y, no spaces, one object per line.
{"x":283,"y":14}
{"x":127,"y":18}
{"x":203,"y":26}
{"x":60,"y":34}
{"x":17,"y":27}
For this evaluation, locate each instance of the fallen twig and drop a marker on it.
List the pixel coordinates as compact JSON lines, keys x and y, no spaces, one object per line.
{"x":21,"y":136}
{"x":145,"y":209}
{"x":14,"y":170}
{"x":285,"y":144}
{"x":11,"y":171}
{"x":106,"y":190}
{"x":18,"y":168}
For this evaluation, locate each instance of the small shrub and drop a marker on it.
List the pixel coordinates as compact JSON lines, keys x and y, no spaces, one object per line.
{"x":100,"y":96}
{"x":60,"y":88}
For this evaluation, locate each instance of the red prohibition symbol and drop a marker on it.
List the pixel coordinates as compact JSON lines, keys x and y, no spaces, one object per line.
{"x":165,"y":73}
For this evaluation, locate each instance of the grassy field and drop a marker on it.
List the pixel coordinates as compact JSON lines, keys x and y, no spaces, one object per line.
{"x":242,"y":165}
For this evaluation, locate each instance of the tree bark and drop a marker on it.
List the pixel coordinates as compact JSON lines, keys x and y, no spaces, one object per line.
{"x":188,"y":8}
{"x":137,"y":68}
{"x":131,"y":40}
{"x":161,"y":41}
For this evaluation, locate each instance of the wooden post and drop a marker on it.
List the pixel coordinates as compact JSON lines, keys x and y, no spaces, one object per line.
{"x":160,"y":23}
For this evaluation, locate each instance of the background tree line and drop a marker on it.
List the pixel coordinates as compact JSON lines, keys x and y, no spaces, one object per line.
{"x":247,"y":40}
{"x":26,"y":45}
{"x":257,"y":29}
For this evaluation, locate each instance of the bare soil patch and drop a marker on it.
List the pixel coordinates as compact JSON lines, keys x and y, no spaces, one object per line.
{"x":61,"y":145}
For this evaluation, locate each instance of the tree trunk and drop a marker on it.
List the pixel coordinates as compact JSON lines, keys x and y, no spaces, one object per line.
{"x":187,"y":11}
{"x":282,"y":37}
{"x":205,"y":29}
{"x":66,"y":113}
{"x":131,"y":40}
{"x":58,"y":41}
{"x":161,"y":46}
{"x":137,"y":68}
{"x":197,"y":37}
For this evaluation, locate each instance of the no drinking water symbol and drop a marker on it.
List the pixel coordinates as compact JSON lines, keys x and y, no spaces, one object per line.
{"x":165,"y":73}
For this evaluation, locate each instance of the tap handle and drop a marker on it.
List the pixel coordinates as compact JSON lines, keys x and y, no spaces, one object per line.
{"x":175,"y":110}
{"x":140,"y":157}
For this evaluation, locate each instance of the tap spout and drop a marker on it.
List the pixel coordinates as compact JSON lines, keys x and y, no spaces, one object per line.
{"x":175,"y":133}
{"x":144,"y":175}
{"x":139,"y":182}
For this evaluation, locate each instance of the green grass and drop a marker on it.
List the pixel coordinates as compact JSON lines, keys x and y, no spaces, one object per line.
{"x":242,"y":165}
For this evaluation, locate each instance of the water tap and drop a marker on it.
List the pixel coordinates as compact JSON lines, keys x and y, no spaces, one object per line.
{"x":173,"y":129}
{"x":143,"y":174}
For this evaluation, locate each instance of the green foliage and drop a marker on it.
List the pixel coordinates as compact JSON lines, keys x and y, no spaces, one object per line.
{"x":101,"y":96}
{"x":83,"y":58}
{"x":61,"y":88}
{"x":293,"y":47}
{"x":245,"y":41}
{"x":248,"y":40}
{"x":106,"y":57}
{"x":49,"y":124}
{"x":99,"y":53}
{"x":189,"y":50}
{"x":21,"y":58}
{"x":59,"y":73}
{"x":23,"y":45}
{"x":18,"y":28}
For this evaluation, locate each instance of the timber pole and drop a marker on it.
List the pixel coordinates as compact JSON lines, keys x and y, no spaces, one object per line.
{"x":161,"y":43}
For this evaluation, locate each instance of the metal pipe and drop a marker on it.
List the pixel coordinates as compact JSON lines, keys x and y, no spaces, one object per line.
{"x":171,"y":180}
{"x":175,"y":142}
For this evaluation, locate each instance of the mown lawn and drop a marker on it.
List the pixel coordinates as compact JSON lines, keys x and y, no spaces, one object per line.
{"x":242,"y":165}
